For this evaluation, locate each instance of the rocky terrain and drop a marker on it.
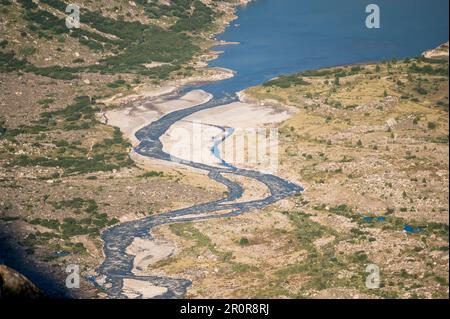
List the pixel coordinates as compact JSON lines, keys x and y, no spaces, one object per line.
{"x":13,"y":285}
{"x":440,"y":52}
{"x":368,"y":142}
{"x":370,"y":145}
{"x":64,"y":175}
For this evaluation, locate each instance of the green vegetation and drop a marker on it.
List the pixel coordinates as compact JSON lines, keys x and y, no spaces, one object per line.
{"x":188,"y":231}
{"x":244,"y":241}
{"x":73,"y":165}
{"x":107,"y":155}
{"x":110,"y":154}
{"x":45,"y":102}
{"x":287,"y":81}
{"x":429,"y":70}
{"x":9,"y":63}
{"x":194,"y":17}
{"x":2,"y":127}
{"x":117,"y":84}
{"x":390,"y":222}
{"x":440,"y":139}
{"x":60,"y":248}
{"x":135,"y":45}
{"x":91,"y":225}
{"x":89,"y":206}
{"x":201,"y":242}
{"x":332,"y":72}
{"x":335,"y":255}
{"x":151,"y":174}
{"x":157,"y":45}
{"x":47,"y":25}
{"x":431,"y":125}
{"x":191,"y":15}
{"x":49,"y":223}
{"x":9,"y":218}
{"x":321,"y":266}
{"x":307,"y":230}
{"x":86,"y":226}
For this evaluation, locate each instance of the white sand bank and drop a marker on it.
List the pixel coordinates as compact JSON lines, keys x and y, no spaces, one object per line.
{"x":133,"y":288}
{"x":132,"y":118}
{"x":193,"y":138}
{"x":148,"y":252}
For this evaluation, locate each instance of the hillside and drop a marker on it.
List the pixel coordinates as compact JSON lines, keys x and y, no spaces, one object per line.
{"x":14,"y":285}
{"x":369,"y":143}
{"x":65,"y":176}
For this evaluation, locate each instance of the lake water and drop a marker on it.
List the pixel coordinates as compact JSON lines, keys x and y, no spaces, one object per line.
{"x":285,"y":36}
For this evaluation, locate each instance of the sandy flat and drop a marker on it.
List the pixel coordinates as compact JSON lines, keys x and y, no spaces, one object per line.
{"x":193,"y":137}
{"x":148,"y":252}
{"x":146,"y":91}
{"x":133,"y":288}
{"x":132,"y":118}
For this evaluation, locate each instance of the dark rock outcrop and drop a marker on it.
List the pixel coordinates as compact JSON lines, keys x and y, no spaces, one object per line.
{"x":14,"y":285}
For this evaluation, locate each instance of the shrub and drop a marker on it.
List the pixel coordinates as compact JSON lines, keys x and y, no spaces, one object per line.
{"x":117,"y":83}
{"x":421,"y":90}
{"x":78,"y":60}
{"x":152,"y":174}
{"x":49,"y":223}
{"x":62,"y":143}
{"x":8,"y":62}
{"x":244,"y":241}
{"x":285,"y":82}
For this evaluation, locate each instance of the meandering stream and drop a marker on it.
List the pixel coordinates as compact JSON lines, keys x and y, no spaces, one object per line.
{"x":301,"y":35}
{"x":118,"y":265}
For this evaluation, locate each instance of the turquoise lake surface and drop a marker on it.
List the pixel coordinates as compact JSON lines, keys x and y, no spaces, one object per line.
{"x":285,"y":36}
